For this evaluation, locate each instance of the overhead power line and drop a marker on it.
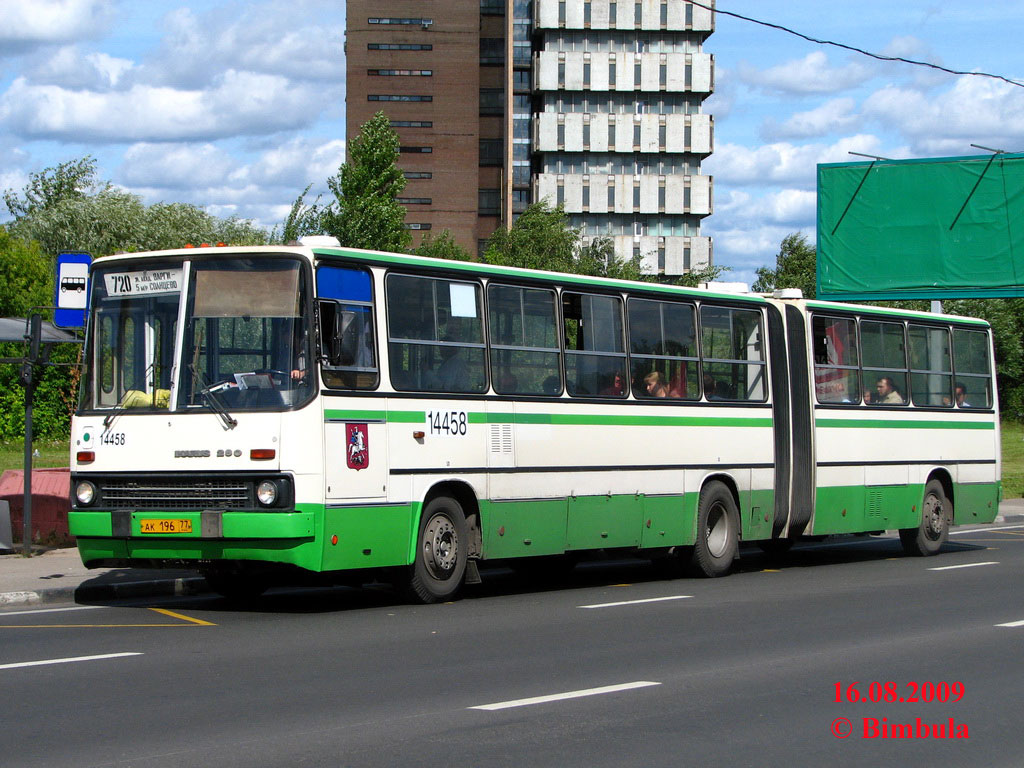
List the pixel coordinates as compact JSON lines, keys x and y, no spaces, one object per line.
{"x":861,"y":51}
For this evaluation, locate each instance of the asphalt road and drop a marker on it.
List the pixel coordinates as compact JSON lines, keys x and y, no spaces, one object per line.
{"x":686,"y":672}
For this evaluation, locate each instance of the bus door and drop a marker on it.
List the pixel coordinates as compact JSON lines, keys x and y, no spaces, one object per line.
{"x":355,"y":428}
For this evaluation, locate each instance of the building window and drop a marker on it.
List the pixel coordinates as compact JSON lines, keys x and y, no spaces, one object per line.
{"x":399,"y":47}
{"x":416,"y":150}
{"x":561,"y":136}
{"x":414,"y":200}
{"x":521,"y":80}
{"x":414,"y":22}
{"x":415,"y":226}
{"x":636,"y":135}
{"x":611,"y":13}
{"x":561,"y":12}
{"x":489,"y":202}
{"x":411,"y":123}
{"x":611,"y":135}
{"x":586,"y":135}
{"x":663,"y":73}
{"x":661,"y":199}
{"x":638,"y":13}
{"x":397,"y":97}
{"x":636,"y":198}
{"x":662,"y":137}
{"x":637,"y":74}
{"x":586,"y":74}
{"x":418,"y":174}
{"x":492,"y":50}
{"x":400,"y":72}
{"x":586,"y":11}
{"x":521,"y":175}
{"x":586,"y":196}
{"x":560,"y":195}
{"x":611,"y":195}
{"x":490,"y":151}
{"x":664,"y":13}
{"x":492,"y":7}
{"x":492,"y":101}
{"x":561,"y":74}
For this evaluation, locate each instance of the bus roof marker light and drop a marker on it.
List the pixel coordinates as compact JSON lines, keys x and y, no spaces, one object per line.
{"x":788,"y":293}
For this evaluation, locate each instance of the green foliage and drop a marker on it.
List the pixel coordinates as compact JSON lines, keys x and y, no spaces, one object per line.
{"x":25,"y":274}
{"x":303,"y":219}
{"x":541,"y":238}
{"x":696,"y":277}
{"x":795,"y":267}
{"x":365,"y":213}
{"x":72,"y":180}
{"x":442,"y":247}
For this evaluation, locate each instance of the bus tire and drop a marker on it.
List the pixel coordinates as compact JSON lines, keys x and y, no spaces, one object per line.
{"x":441,"y":550}
{"x":717,"y":531}
{"x":936,"y":517}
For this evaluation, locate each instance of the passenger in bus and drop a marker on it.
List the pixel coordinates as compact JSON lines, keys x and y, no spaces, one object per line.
{"x":654,"y":385}
{"x":617,"y":387}
{"x":887,"y":392}
{"x":453,"y":375}
{"x":677,"y":386}
{"x":960,"y":393}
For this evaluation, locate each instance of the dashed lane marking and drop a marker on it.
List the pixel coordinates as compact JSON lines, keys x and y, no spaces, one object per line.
{"x":563,"y":696}
{"x":637,"y":602}
{"x":68,"y":660}
{"x":964,"y":565}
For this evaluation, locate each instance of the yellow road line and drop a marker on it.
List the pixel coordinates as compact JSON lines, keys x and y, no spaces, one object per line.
{"x":183,"y":617}
{"x":186,"y":621}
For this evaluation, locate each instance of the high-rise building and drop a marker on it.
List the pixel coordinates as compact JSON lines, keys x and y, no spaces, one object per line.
{"x":591,"y":104}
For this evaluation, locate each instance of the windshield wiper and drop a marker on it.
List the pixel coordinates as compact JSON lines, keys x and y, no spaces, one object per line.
{"x":212,"y":401}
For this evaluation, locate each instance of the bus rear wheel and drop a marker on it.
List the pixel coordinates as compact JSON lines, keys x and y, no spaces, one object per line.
{"x":441,"y":551}
{"x":936,"y":517}
{"x":717,"y":531}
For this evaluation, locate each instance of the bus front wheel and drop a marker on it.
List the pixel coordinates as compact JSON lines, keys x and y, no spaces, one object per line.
{"x":441,"y":551}
{"x":936,"y":516}
{"x":717,"y":531}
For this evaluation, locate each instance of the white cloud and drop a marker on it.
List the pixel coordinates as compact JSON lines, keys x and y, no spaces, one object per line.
{"x":298,"y":162}
{"x":975,"y":110}
{"x":782,"y":163}
{"x":834,"y":116}
{"x":237,"y":104}
{"x":25,"y":24}
{"x":69,"y":68}
{"x":175,"y":166}
{"x":262,"y":38}
{"x":811,"y":74}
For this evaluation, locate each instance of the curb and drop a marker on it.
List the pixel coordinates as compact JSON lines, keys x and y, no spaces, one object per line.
{"x":180,"y":587}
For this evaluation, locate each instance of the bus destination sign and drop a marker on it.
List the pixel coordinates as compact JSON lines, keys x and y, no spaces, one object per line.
{"x":147,"y":282}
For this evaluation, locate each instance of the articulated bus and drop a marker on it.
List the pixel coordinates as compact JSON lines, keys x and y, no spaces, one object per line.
{"x":267,"y":414}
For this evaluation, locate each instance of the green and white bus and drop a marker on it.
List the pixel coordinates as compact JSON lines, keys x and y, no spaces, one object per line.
{"x":270,"y":413}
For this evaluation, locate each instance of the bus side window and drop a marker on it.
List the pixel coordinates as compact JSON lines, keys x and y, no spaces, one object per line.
{"x":347,"y":349}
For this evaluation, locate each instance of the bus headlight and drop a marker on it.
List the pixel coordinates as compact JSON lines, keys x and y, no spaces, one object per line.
{"x":267,"y":493}
{"x":85,"y":493}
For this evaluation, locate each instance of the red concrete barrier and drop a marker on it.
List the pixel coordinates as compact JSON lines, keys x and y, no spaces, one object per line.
{"x":50,"y":504}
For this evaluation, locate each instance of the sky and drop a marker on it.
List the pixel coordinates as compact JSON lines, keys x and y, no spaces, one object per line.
{"x":237,"y":106}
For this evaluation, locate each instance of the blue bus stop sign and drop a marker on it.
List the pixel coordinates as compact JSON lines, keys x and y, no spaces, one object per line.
{"x":71,"y":290}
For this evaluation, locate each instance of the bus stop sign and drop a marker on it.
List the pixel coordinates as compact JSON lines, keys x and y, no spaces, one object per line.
{"x":71,"y":290}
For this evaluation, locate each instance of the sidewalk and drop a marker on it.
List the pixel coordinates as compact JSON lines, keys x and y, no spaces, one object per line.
{"x":58,"y":576}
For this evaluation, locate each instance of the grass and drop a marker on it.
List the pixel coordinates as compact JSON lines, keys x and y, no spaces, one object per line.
{"x":1013,"y":460}
{"x":54,"y":453}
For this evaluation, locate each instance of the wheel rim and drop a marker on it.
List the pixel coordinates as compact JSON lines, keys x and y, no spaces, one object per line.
{"x":934,"y":517}
{"x":440,"y":546}
{"x":717,"y":532}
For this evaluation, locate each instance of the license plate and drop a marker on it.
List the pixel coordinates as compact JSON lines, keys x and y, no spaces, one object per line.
{"x":165,"y":526}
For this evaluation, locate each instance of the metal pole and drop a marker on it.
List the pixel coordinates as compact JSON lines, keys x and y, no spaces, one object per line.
{"x":26,"y":537}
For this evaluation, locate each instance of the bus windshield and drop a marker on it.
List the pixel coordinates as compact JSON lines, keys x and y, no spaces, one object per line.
{"x":246,"y":341}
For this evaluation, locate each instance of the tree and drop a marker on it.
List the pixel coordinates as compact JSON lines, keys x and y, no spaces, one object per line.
{"x":541,"y":238}
{"x":794,"y":267}
{"x":72,"y":180}
{"x":303,"y":219}
{"x":442,"y":247}
{"x":25,"y":275}
{"x":365,"y":213}
{"x":70,"y":210}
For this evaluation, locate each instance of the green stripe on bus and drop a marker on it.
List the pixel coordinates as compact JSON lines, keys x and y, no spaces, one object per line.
{"x":899,"y":424}
{"x":398,"y":417}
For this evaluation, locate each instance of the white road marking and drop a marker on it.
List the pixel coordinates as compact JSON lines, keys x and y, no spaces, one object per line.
{"x":987,"y":529}
{"x":637,"y":602}
{"x":67,"y":660}
{"x":1012,"y":624}
{"x":51,"y":610}
{"x":567,"y":695}
{"x":965,"y":565}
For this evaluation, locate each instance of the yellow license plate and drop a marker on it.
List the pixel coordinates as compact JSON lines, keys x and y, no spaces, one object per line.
{"x":165,"y":526}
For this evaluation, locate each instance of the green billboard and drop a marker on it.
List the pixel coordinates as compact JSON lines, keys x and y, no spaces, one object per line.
{"x":921,"y":229}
